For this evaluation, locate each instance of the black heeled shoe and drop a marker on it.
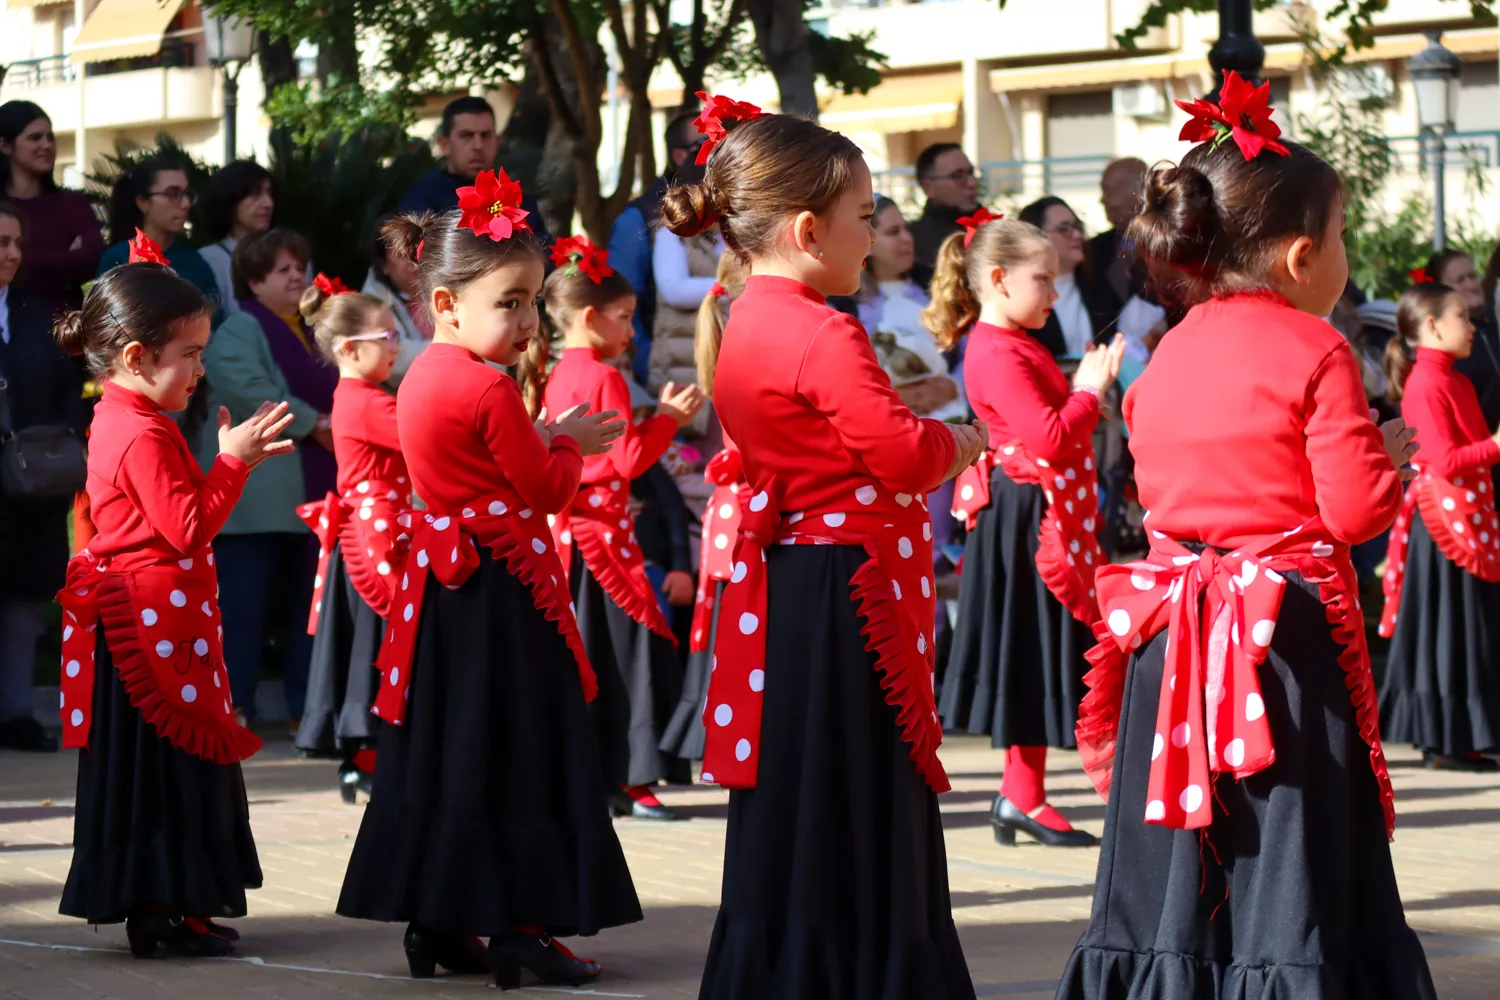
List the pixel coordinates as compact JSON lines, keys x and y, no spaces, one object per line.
{"x":352,"y":781}
{"x":143,"y":932}
{"x":621,"y":804}
{"x":1442,"y":762}
{"x":193,"y":938}
{"x":223,"y":930}
{"x":1007,"y":819}
{"x":428,"y":948}
{"x":544,"y":957}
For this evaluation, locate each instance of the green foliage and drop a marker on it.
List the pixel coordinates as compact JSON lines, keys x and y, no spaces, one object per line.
{"x":312,"y":113}
{"x":848,"y":64}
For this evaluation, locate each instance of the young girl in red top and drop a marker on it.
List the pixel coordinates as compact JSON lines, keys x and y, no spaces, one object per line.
{"x":1442,"y":688}
{"x":488,"y":815}
{"x":820,"y":713}
{"x":1245,"y":846}
{"x":357,"y":529}
{"x":627,"y":637}
{"x":1025,"y":601}
{"x":161,"y":835}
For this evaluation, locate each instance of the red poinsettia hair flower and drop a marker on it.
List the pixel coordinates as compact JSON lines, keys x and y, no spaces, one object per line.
{"x":585,"y":255}
{"x":718,"y":116}
{"x":145,"y":250}
{"x":973,"y":223}
{"x":330,"y":286}
{"x":492,"y":207}
{"x":1419,"y":276}
{"x":1243,"y":114}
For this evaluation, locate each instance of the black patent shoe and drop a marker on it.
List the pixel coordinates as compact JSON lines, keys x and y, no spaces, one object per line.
{"x":1443,"y":762}
{"x":1007,"y":820}
{"x":223,"y":930}
{"x":352,"y":781}
{"x":143,"y":932}
{"x":427,"y":948}
{"x":621,"y":804}
{"x":192,"y":938}
{"x":541,"y":955}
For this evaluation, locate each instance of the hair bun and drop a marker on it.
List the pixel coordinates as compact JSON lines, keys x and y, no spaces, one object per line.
{"x":68,"y":332}
{"x":687,"y":209}
{"x":1179,"y":223}
{"x":312,"y":300}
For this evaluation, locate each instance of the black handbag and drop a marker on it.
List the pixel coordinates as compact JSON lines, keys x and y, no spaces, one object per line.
{"x":45,"y":462}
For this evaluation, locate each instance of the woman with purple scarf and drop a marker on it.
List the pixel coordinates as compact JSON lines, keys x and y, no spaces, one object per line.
{"x":266,"y":556}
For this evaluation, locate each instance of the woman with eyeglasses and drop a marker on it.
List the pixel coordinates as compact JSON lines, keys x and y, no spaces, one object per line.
{"x":1086,"y":310}
{"x":155,"y":198}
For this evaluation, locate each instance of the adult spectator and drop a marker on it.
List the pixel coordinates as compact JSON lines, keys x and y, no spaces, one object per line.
{"x":240,"y":201}
{"x":63,"y":239}
{"x":264,"y":353}
{"x":41,"y":387}
{"x":685,"y":270}
{"x":155,"y":198}
{"x":468,"y":142}
{"x":951,"y":187}
{"x":1086,"y":310}
{"x":1121,"y":188}
{"x":393,"y":280}
{"x":1455,"y":269}
{"x":630,"y":236}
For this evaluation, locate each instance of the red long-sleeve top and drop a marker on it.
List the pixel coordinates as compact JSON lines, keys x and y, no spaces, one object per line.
{"x":800,"y":391}
{"x":1443,"y":407}
{"x":149,"y":499}
{"x":1250,"y":420}
{"x":581,"y":376}
{"x":466,"y":434}
{"x":366,"y":441}
{"x":1015,"y":386}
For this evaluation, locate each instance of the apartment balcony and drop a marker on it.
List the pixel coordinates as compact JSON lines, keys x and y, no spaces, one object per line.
{"x":164,"y":88}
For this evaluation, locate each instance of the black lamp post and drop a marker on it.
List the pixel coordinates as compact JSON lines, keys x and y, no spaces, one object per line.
{"x":230,"y":45}
{"x":1237,"y":47}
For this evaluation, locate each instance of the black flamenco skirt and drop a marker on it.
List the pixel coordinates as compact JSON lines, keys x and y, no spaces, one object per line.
{"x":684,"y":733}
{"x":341,"y":677}
{"x":154,"y":826}
{"x":488,"y":811}
{"x":1442,"y":677}
{"x":1291,"y":893}
{"x":1015,"y":669}
{"x":835,"y":873}
{"x":640,"y":682}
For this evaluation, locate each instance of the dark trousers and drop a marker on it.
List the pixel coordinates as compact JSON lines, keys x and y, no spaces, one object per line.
{"x":260,"y":576}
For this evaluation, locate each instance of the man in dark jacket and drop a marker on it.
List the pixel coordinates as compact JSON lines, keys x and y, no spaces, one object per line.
{"x":468,"y":141}
{"x":951,"y":186}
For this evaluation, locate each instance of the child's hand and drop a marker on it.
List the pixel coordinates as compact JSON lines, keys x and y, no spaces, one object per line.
{"x":1100,"y":366}
{"x":681,"y":405}
{"x":971,"y":440}
{"x":594,"y":432}
{"x":1401,"y":444}
{"x":543,"y":428}
{"x":678,"y":587}
{"x":254,"y":441}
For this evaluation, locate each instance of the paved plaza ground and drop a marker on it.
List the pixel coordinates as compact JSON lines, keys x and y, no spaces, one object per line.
{"x":1019,"y":910}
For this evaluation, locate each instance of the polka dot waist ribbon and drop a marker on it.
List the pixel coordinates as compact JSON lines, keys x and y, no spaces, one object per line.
{"x":165,"y":638}
{"x":1459,"y":514}
{"x":894,"y":596}
{"x":445,"y":547}
{"x":721,"y":526}
{"x":603,"y":530}
{"x":363,"y":525}
{"x":1068,"y":550}
{"x":1220,"y":614}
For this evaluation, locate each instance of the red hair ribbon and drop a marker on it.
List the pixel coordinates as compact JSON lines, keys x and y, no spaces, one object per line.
{"x":1243,"y":114}
{"x":492,"y":207}
{"x":145,"y":250}
{"x":330,"y":286}
{"x":718,"y":116}
{"x":973,"y":223}
{"x":716,"y":291}
{"x":1419,"y":276}
{"x":584,"y":255}
{"x":420,"y":245}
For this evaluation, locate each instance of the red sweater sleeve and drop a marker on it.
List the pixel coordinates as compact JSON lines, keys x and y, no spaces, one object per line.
{"x":547,"y":479}
{"x":642,"y":444}
{"x":380,"y":422}
{"x":1445,"y":448}
{"x":1043,"y":429}
{"x":155,"y":476}
{"x":1357,"y":489}
{"x":843,"y":381}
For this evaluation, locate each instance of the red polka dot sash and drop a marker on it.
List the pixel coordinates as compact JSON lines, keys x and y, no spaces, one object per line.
{"x":600,"y":525}
{"x":894,"y":594}
{"x":721,"y":526}
{"x":1068,"y":552}
{"x":166,"y":640}
{"x":446,"y":546}
{"x":362,"y":523}
{"x":1460,"y":516}
{"x":1220,"y":614}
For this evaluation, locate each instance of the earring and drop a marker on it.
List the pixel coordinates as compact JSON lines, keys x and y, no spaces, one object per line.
{"x":820,"y":255}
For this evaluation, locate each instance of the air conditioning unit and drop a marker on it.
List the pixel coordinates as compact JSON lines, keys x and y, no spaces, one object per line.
{"x":1140,"y":100}
{"x":1366,"y":80}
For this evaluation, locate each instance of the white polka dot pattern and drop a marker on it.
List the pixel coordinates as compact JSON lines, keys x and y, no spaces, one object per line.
{"x":591,"y":527}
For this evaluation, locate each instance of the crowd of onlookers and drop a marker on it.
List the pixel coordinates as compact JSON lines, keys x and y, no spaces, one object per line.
{"x":52,"y":244}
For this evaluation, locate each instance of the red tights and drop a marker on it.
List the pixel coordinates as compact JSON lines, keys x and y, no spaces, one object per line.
{"x":1024,"y":785}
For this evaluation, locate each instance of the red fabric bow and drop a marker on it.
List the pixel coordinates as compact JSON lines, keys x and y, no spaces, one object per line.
{"x":716,"y":291}
{"x":492,"y":207}
{"x":1419,"y":276}
{"x":330,"y":286}
{"x":719,"y":114}
{"x":145,"y":250}
{"x":721,"y":525}
{"x":972,"y":223}
{"x":1460,"y":516}
{"x":585,"y":255}
{"x":1243,"y":113}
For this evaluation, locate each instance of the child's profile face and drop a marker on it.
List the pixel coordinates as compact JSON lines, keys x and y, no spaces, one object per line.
{"x":1027,"y":290}
{"x":610,"y":327}
{"x":371,"y":354}
{"x":1451,"y":330}
{"x":1327,"y":268}
{"x":496,"y":316}
{"x":167,"y":375}
{"x":845,"y":235}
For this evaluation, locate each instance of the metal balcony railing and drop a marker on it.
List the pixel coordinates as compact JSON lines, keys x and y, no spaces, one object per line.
{"x":33,"y":74}
{"x":30,"y":74}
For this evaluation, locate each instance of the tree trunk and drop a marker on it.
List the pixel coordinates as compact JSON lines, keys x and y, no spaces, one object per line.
{"x":339,"y":55}
{"x":781,"y":33}
{"x":278,"y":63}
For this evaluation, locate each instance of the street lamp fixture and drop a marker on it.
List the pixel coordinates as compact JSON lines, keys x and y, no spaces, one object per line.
{"x":1237,"y":48}
{"x":1434,"y":75}
{"x":230,"y":43}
